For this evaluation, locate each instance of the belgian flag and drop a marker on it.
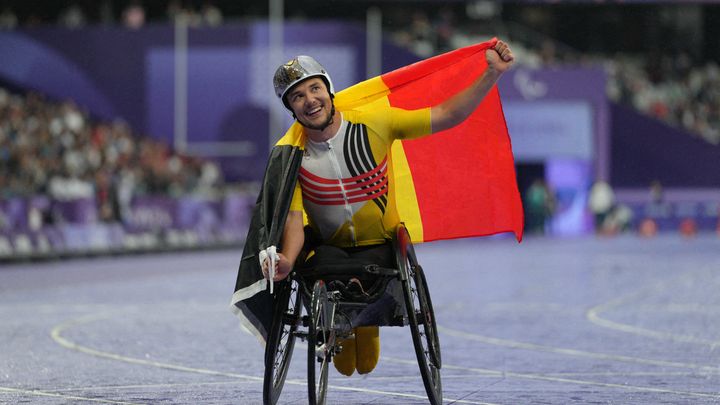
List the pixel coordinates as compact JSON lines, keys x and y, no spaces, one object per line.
{"x":452,"y":184}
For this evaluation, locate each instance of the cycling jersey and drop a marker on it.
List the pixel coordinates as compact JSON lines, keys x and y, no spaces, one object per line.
{"x":345,"y":186}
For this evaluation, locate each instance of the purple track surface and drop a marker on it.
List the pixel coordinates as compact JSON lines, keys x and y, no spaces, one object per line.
{"x":548,"y":321}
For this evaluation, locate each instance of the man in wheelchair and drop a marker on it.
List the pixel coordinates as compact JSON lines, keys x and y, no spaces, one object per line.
{"x":380,"y":294}
{"x":343,"y":189}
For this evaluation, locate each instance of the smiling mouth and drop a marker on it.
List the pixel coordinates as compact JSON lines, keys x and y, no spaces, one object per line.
{"x":314,"y":112}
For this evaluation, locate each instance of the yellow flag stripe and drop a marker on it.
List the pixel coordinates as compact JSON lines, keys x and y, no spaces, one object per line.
{"x":405,"y":197}
{"x":361,"y":93}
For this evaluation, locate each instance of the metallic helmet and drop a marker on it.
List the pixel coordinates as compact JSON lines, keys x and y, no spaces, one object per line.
{"x":296,"y":70}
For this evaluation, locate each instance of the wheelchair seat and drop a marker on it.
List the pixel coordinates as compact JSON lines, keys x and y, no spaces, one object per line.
{"x":365,"y":294}
{"x":356,"y":281}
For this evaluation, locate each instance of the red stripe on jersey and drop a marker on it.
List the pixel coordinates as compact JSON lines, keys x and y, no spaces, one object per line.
{"x":322,"y":196}
{"x":341,"y":201}
{"x":326,"y":189}
{"x":382,"y":167}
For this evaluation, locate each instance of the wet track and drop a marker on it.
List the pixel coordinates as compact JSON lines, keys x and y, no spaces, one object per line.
{"x":548,"y":321}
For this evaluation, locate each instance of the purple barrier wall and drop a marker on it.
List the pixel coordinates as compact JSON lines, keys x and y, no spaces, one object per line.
{"x":645,"y":149}
{"x":668,"y":216}
{"x":34,"y":227}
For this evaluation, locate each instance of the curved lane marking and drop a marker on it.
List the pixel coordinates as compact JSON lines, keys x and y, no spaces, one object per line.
{"x":63,"y":396}
{"x":56,"y":334}
{"x":593,"y":314}
{"x":531,"y":376}
{"x":574,"y":352}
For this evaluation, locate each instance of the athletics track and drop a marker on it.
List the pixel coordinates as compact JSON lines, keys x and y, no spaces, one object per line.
{"x":549,"y":321}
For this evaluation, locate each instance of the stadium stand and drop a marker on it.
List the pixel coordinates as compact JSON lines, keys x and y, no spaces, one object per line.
{"x":65,"y":176}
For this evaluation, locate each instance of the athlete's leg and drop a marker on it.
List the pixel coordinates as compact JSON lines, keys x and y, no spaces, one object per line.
{"x":367,"y":347}
{"x":345,"y":361}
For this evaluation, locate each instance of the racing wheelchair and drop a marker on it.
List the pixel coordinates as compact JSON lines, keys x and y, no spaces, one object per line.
{"x":313,"y":306}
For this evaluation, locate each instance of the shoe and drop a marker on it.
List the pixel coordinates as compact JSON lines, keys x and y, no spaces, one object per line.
{"x":367,"y":348}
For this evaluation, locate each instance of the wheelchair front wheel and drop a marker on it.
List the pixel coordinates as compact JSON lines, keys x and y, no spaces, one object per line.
{"x":420,"y":312}
{"x":320,"y":343}
{"x":281,"y":340}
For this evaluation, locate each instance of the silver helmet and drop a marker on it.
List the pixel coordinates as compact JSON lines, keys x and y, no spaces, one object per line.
{"x":296,"y":70}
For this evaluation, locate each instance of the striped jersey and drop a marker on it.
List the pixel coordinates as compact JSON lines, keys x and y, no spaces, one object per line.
{"x":344,"y":185}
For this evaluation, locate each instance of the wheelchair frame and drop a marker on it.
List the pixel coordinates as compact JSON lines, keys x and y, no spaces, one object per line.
{"x":320,"y":329}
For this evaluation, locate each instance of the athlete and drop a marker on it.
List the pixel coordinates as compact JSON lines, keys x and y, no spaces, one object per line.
{"x":343,"y":183}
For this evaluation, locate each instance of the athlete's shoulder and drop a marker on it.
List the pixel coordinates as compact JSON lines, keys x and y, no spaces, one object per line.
{"x":368,"y":112}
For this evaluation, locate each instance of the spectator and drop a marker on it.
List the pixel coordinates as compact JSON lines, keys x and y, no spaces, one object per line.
{"x":656,"y":192}
{"x":211,"y":14}
{"x":134,"y":15}
{"x":175,"y":10}
{"x":8,"y":19}
{"x":601,"y":202}
{"x":618,"y":220}
{"x":72,"y":17}
{"x":539,"y":206}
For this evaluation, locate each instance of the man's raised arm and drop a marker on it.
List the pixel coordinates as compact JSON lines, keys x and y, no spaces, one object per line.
{"x":456,"y":109}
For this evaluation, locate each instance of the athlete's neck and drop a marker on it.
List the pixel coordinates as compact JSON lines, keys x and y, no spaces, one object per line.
{"x":322,"y":135}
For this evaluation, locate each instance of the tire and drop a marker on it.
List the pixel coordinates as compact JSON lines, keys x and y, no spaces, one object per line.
{"x":320,"y":344}
{"x":281,"y":340}
{"x":421,"y":318}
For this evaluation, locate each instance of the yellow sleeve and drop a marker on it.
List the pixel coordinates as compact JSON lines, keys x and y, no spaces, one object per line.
{"x":410,"y":124}
{"x":390,"y":123}
{"x":296,"y":204}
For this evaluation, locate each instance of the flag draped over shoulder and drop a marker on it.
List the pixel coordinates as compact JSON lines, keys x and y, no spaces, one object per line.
{"x":459,"y":182}
{"x":453,"y":184}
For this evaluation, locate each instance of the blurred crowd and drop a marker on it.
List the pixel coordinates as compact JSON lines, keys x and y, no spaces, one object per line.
{"x":133,"y":15}
{"x":670,"y":87}
{"x":56,"y":149}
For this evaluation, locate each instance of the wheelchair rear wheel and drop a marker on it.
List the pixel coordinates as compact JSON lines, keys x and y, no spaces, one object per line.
{"x":421,"y":319}
{"x":281,"y":340}
{"x":321,"y":342}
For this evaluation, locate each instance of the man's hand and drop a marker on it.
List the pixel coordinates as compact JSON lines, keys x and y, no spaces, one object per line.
{"x":282,"y":268}
{"x":500,"y":57}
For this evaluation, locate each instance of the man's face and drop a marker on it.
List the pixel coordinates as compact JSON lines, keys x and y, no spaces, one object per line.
{"x":311,"y":103}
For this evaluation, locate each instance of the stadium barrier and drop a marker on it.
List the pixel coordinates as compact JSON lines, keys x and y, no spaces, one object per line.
{"x":39,"y":228}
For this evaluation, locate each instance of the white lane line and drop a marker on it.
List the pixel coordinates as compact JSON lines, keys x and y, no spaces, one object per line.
{"x":543,"y":377}
{"x":573,"y":352}
{"x":593,"y":314}
{"x":630,"y":374}
{"x":235,"y":382}
{"x":140,"y":386}
{"x":56,"y":334}
{"x":63,"y":396}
